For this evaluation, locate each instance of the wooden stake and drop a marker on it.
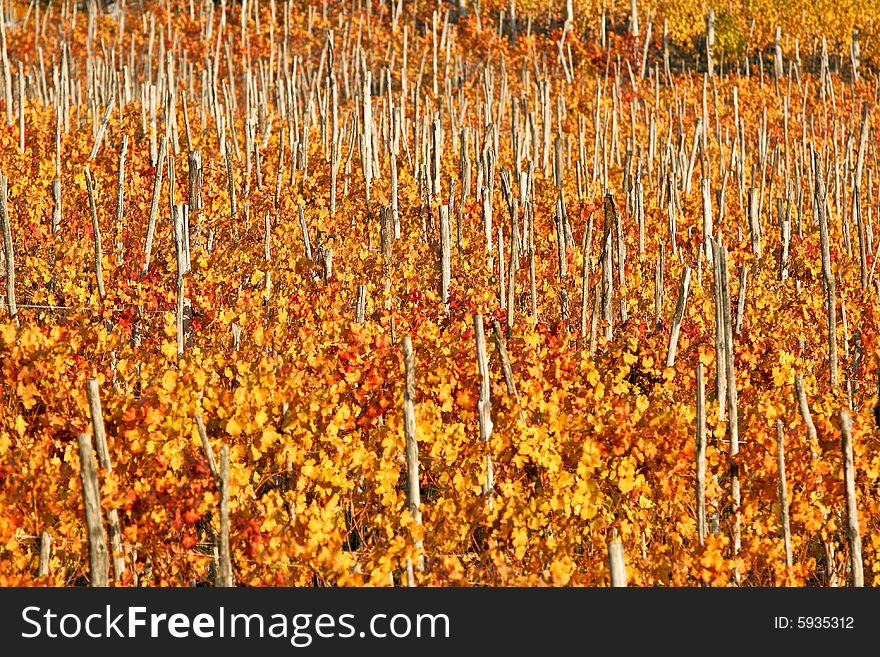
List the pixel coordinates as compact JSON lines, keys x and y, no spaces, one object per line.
{"x":206,"y":446}
{"x":484,"y":405}
{"x":154,"y":204}
{"x":99,"y":267}
{"x":680,"y":308}
{"x":616,"y":565}
{"x":445,"y":255}
{"x":100,"y":435}
{"x":413,"y":493}
{"x":700,"y":452}
{"x":99,"y":564}
{"x":224,"y":571}
{"x":783,"y":492}
{"x":45,"y":555}
{"x":852,"y":515}
{"x":7,"y":248}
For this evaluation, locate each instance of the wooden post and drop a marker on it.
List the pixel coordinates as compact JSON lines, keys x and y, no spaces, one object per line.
{"x":307,"y":243}
{"x":230,"y":181}
{"x":680,"y":308}
{"x":852,"y":516}
{"x":616,"y":564}
{"x":445,"y":255}
{"x":413,"y":494}
{"x":45,"y":554}
{"x":877,"y":406}
{"x":206,"y":446}
{"x":805,"y":410}
{"x":102,"y":129}
{"x":710,"y":42}
{"x":361,"y":303}
{"x":501,"y":347}
{"x":327,"y":257}
{"x":194,"y":181}
{"x":56,"y":197}
{"x":828,"y":278}
{"x":224,"y":571}
{"x":755,"y":221}
{"x":706,"y":192}
{"x":120,"y":197}
{"x":100,"y":436}
{"x":512,"y":265}
{"x":484,"y":405}
{"x":585,"y":278}
{"x":179,"y":223}
{"x":99,"y":564}
{"x":7,"y":249}
{"x":154,"y":204}
{"x":783,"y":492}
{"x":732,"y":406}
{"x":99,"y":268}
{"x":700,"y":452}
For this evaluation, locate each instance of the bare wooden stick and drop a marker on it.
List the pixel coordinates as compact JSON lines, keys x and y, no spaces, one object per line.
{"x":99,"y":564}
{"x":7,"y":248}
{"x":154,"y":204}
{"x":783,"y":492}
{"x":877,"y":406}
{"x":680,"y":308}
{"x":413,"y":492}
{"x":99,"y":432}
{"x":100,"y":436}
{"x":501,"y":347}
{"x":45,"y":554}
{"x":585,"y":277}
{"x":194,"y":181}
{"x":852,"y":516}
{"x":720,"y":337}
{"x":484,"y":405}
{"x":409,"y":426}
{"x":732,"y":404}
{"x":616,"y":565}
{"x":361,"y":303}
{"x":804,"y":407}
{"x":820,"y":200}
{"x":741,"y":301}
{"x":99,"y":267}
{"x":755,"y":221}
{"x":179,"y":224}
{"x":445,"y":255}
{"x":512,"y":266}
{"x":206,"y":446}
{"x":224,"y":569}
{"x":701,"y":454}
{"x":230,"y":181}
{"x":102,"y":129}
{"x":120,"y":180}
{"x":305,"y":231}
{"x":120,"y":198}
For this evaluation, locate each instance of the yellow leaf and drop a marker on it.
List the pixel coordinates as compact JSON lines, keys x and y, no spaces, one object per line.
{"x":233,"y":428}
{"x":169,"y":380}
{"x":169,"y":349}
{"x":269,"y":437}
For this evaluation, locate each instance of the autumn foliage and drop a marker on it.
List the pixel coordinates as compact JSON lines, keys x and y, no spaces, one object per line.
{"x":598,"y":438}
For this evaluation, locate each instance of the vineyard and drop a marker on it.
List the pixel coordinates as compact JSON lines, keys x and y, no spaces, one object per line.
{"x":439,"y":294}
